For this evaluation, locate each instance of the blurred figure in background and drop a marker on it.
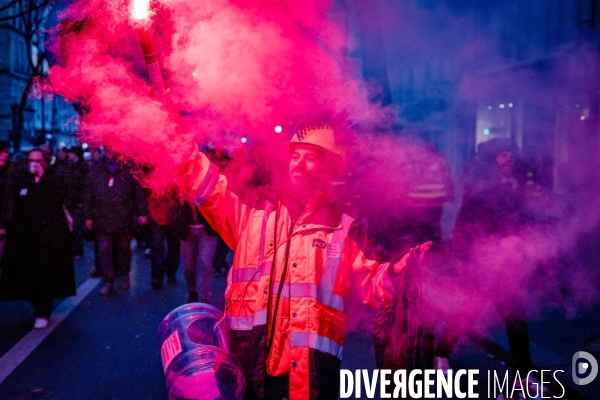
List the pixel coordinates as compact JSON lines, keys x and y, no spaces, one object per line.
{"x":94,"y":156}
{"x":430,"y":188}
{"x":419,"y":187}
{"x":164,"y":213}
{"x":77,"y":174}
{"x":37,"y":264}
{"x":493,"y":201}
{"x":198,"y":246}
{"x":113,"y":202}
{"x":493,"y":210}
{"x":19,"y":163}
{"x":7,"y":178}
{"x":61,"y":161}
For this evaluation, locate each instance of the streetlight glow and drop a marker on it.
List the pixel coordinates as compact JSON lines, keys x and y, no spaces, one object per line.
{"x":278,"y":129}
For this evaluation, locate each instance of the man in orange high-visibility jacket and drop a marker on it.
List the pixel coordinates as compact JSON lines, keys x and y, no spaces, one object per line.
{"x":295,"y":261}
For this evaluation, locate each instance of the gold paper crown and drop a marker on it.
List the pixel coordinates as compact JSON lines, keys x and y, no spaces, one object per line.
{"x":320,"y":135}
{"x":313,"y":127}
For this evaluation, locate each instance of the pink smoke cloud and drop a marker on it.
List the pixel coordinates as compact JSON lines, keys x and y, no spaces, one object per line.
{"x":239,"y":68}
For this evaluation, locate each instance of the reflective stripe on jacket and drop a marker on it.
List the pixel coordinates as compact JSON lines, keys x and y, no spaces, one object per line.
{"x":322,"y":253}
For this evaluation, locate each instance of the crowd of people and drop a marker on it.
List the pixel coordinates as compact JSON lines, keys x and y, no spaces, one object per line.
{"x":51,"y":202}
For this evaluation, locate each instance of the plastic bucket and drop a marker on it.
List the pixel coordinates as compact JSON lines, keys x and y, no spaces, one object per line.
{"x":196,"y":359}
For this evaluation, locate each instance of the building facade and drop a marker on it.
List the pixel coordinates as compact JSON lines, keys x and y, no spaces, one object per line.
{"x":463,"y":72}
{"x":47,"y":118}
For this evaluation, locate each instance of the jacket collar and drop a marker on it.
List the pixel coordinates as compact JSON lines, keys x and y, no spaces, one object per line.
{"x":320,"y":212}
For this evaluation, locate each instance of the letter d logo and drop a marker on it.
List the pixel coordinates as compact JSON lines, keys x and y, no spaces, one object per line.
{"x":584,"y":367}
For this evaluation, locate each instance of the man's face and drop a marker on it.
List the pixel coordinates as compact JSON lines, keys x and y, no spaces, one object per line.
{"x":505,"y":162}
{"x":36,"y":163}
{"x":307,"y":169}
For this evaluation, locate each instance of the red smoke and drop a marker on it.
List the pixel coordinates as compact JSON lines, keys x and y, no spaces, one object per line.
{"x":236,"y":67}
{"x":239,"y":68}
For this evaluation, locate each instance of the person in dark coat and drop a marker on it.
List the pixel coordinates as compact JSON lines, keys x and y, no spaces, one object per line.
{"x":77,"y":171}
{"x":493,"y":208}
{"x":164,"y":213}
{"x":7,"y":178}
{"x":113,"y":202}
{"x":37,"y":263}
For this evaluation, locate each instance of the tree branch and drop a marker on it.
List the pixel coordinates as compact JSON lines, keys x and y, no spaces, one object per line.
{"x":9,"y":5}
{"x":25,"y":12}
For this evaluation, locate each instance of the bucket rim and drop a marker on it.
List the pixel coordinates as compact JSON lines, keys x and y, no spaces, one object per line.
{"x":190,"y":305}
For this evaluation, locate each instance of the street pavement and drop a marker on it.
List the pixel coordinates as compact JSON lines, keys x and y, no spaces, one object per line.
{"x":106,"y":347}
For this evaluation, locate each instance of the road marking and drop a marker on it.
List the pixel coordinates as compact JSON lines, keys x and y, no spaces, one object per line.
{"x":16,"y":355}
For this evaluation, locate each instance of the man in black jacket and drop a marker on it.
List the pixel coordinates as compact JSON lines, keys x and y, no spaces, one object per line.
{"x":492,"y":212}
{"x":114,"y":199}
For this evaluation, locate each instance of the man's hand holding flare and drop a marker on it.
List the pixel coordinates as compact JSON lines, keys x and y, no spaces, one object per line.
{"x":415,"y":258}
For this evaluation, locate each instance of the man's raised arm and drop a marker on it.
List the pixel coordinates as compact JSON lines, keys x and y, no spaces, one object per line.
{"x":206,"y":188}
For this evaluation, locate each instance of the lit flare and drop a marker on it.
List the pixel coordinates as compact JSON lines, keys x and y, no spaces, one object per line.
{"x":141,"y":9}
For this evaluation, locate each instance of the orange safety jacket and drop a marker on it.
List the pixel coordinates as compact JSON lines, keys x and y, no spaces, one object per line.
{"x":319,"y":255}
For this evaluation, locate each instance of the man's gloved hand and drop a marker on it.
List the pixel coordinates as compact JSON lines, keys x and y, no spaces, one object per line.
{"x":416,"y":256}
